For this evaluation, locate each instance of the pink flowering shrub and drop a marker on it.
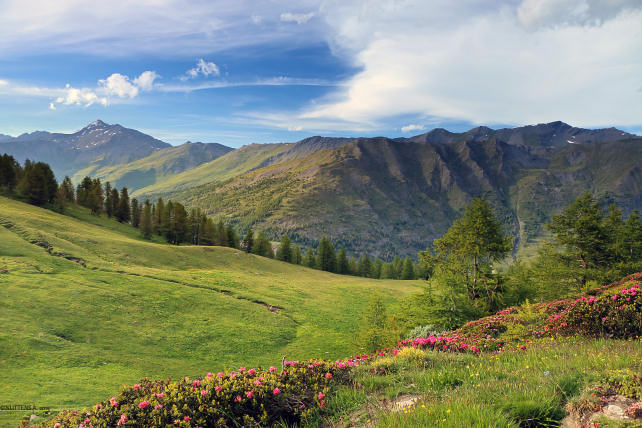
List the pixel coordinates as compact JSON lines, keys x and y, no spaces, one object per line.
{"x":249,"y":397}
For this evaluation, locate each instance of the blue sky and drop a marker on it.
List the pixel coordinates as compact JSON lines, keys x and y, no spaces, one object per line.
{"x":265,"y":71}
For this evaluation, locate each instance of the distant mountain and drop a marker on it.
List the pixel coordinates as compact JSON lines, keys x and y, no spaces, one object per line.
{"x":98,"y":143}
{"x":394,"y":196}
{"x":159,"y":165}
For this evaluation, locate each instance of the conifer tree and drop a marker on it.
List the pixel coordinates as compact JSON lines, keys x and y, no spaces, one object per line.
{"x":232,"y":237}
{"x":352,"y":266}
{"x":95,"y":197}
{"x":262,"y":246}
{"x":38,"y":183}
{"x":297,"y":257}
{"x":179,"y":224}
{"x":146,"y":226}
{"x":159,"y":217}
{"x":408,"y":271}
{"x":388,"y":271}
{"x":309,"y":260}
{"x":397,"y":265}
{"x":221,"y":234}
{"x":123,"y":211}
{"x":67,"y":190}
{"x":109,"y":205}
{"x":632,"y":242}
{"x":364,"y":266}
{"x":376,"y":268}
{"x":284,"y":252}
{"x":135,"y":213}
{"x":9,"y":172}
{"x":248,"y":240}
{"x":342,"y":262}
{"x":326,"y":257}
{"x":114,"y":202}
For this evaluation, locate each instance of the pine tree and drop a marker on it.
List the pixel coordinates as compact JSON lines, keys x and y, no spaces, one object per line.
{"x":408,"y":271}
{"x":297,"y":257}
{"x":248,"y":240}
{"x":388,"y":271}
{"x":159,"y":217}
{"x":9,"y":172}
{"x":632,"y":242}
{"x":180,"y":223}
{"x":146,"y":226}
{"x":67,"y":190}
{"x":221,"y":234}
{"x":284,"y":252}
{"x":123,"y":211}
{"x":342,"y":262}
{"x":352,"y":266}
{"x":232,"y":237}
{"x":580,"y":230}
{"x":262,"y":246}
{"x":38,"y":184}
{"x":397,"y":265}
{"x":114,"y":201}
{"x":376,"y":268}
{"x":364,"y":266}
{"x":109,"y":204}
{"x":615,"y":228}
{"x":326,"y":257}
{"x":135,"y":213}
{"x":83,"y":191}
{"x":95,"y":197}
{"x":470,"y":247}
{"x":309,"y":260}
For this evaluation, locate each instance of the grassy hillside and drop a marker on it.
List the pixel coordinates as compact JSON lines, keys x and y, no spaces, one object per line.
{"x":86,"y":306}
{"x":230,"y":165}
{"x":157,"y":166}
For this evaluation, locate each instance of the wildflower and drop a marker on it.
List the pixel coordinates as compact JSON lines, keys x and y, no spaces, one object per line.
{"x":272,"y":369}
{"x":158,"y":406}
{"x":249,"y":394}
{"x":136,"y":387}
{"x":603,"y":319}
{"x":113,"y":402}
{"x":209,"y":375}
{"x":160,"y":395}
{"x":237,"y":398}
{"x":57,"y":425}
{"x":218,"y":388}
{"x":321,"y":404}
{"x":204,"y":392}
{"x":241,"y":369}
{"x":321,"y":396}
{"x":99,"y":406}
{"x":143,"y":404}
{"x":220,"y":375}
{"x":257,"y":383}
{"x":196,"y":383}
{"x":187,"y":419}
{"x":123,"y":419}
{"x":276,"y":391}
{"x":251,"y":371}
{"x":328,"y":375}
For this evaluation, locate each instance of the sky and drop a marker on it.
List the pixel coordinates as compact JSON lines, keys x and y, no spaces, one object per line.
{"x":260,"y":71}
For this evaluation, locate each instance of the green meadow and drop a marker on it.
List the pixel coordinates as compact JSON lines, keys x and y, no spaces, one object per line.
{"x":86,"y":305}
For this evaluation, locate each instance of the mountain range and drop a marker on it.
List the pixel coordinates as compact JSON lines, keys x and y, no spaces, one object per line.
{"x":380,"y":195}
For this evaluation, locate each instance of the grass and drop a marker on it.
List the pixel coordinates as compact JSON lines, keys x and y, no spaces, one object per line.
{"x":513,"y":389}
{"x":71,"y":335}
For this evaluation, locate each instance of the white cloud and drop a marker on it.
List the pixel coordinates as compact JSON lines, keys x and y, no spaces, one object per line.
{"x":257,"y":19}
{"x":82,"y":97}
{"x":204,"y":68}
{"x":295,"y":128}
{"x":476,"y":61}
{"x":119,"y":85}
{"x":146,"y":80}
{"x":412,"y":127}
{"x":299,"y":18}
{"x":541,"y":13}
{"x":52,"y":106}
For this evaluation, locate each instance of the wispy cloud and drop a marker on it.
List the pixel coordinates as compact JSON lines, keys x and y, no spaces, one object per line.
{"x":299,"y":18}
{"x":412,"y":127}
{"x":202,"y":68}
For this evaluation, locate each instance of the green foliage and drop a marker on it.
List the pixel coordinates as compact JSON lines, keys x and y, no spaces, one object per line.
{"x":10,"y":172}
{"x":310,"y":260}
{"x":377,"y":328}
{"x":342,"y":262}
{"x":408,"y":271}
{"x":37,"y":183}
{"x":262,"y":246}
{"x":248,"y":240}
{"x":326,"y":257}
{"x":284,"y":252}
{"x":146,"y":227}
{"x":364,"y":266}
{"x":123,"y":210}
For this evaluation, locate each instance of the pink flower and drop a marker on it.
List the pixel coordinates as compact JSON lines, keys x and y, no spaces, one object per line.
{"x":220,"y":375}
{"x":321,"y":396}
{"x":158,"y":406}
{"x":321,"y":404}
{"x":143,"y":404}
{"x":218,"y":388}
{"x":251,"y":371}
{"x":272,"y":369}
{"x":603,"y":319}
{"x":237,"y":398}
{"x":123,"y":419}
{"x":257,"y":383}
{"x":57,"y":425}
{"x":241,"y":369}
{"x":209,"y":375}
{"x":187,"y":418}
{"x":249,"y":394}
{"x":113,"y":402}
{"x":204,"y":392}
{"x":614,"y":297}
{"x":328,"y":375}
{"x":136,"y":387}
{"x":276,"y":391}
{"x":196,"y":383}
{"x":160,"y":395}
{"x":99,"y":406}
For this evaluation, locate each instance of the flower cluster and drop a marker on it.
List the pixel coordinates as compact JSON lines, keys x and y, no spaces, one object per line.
{"x":242,"y":397}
